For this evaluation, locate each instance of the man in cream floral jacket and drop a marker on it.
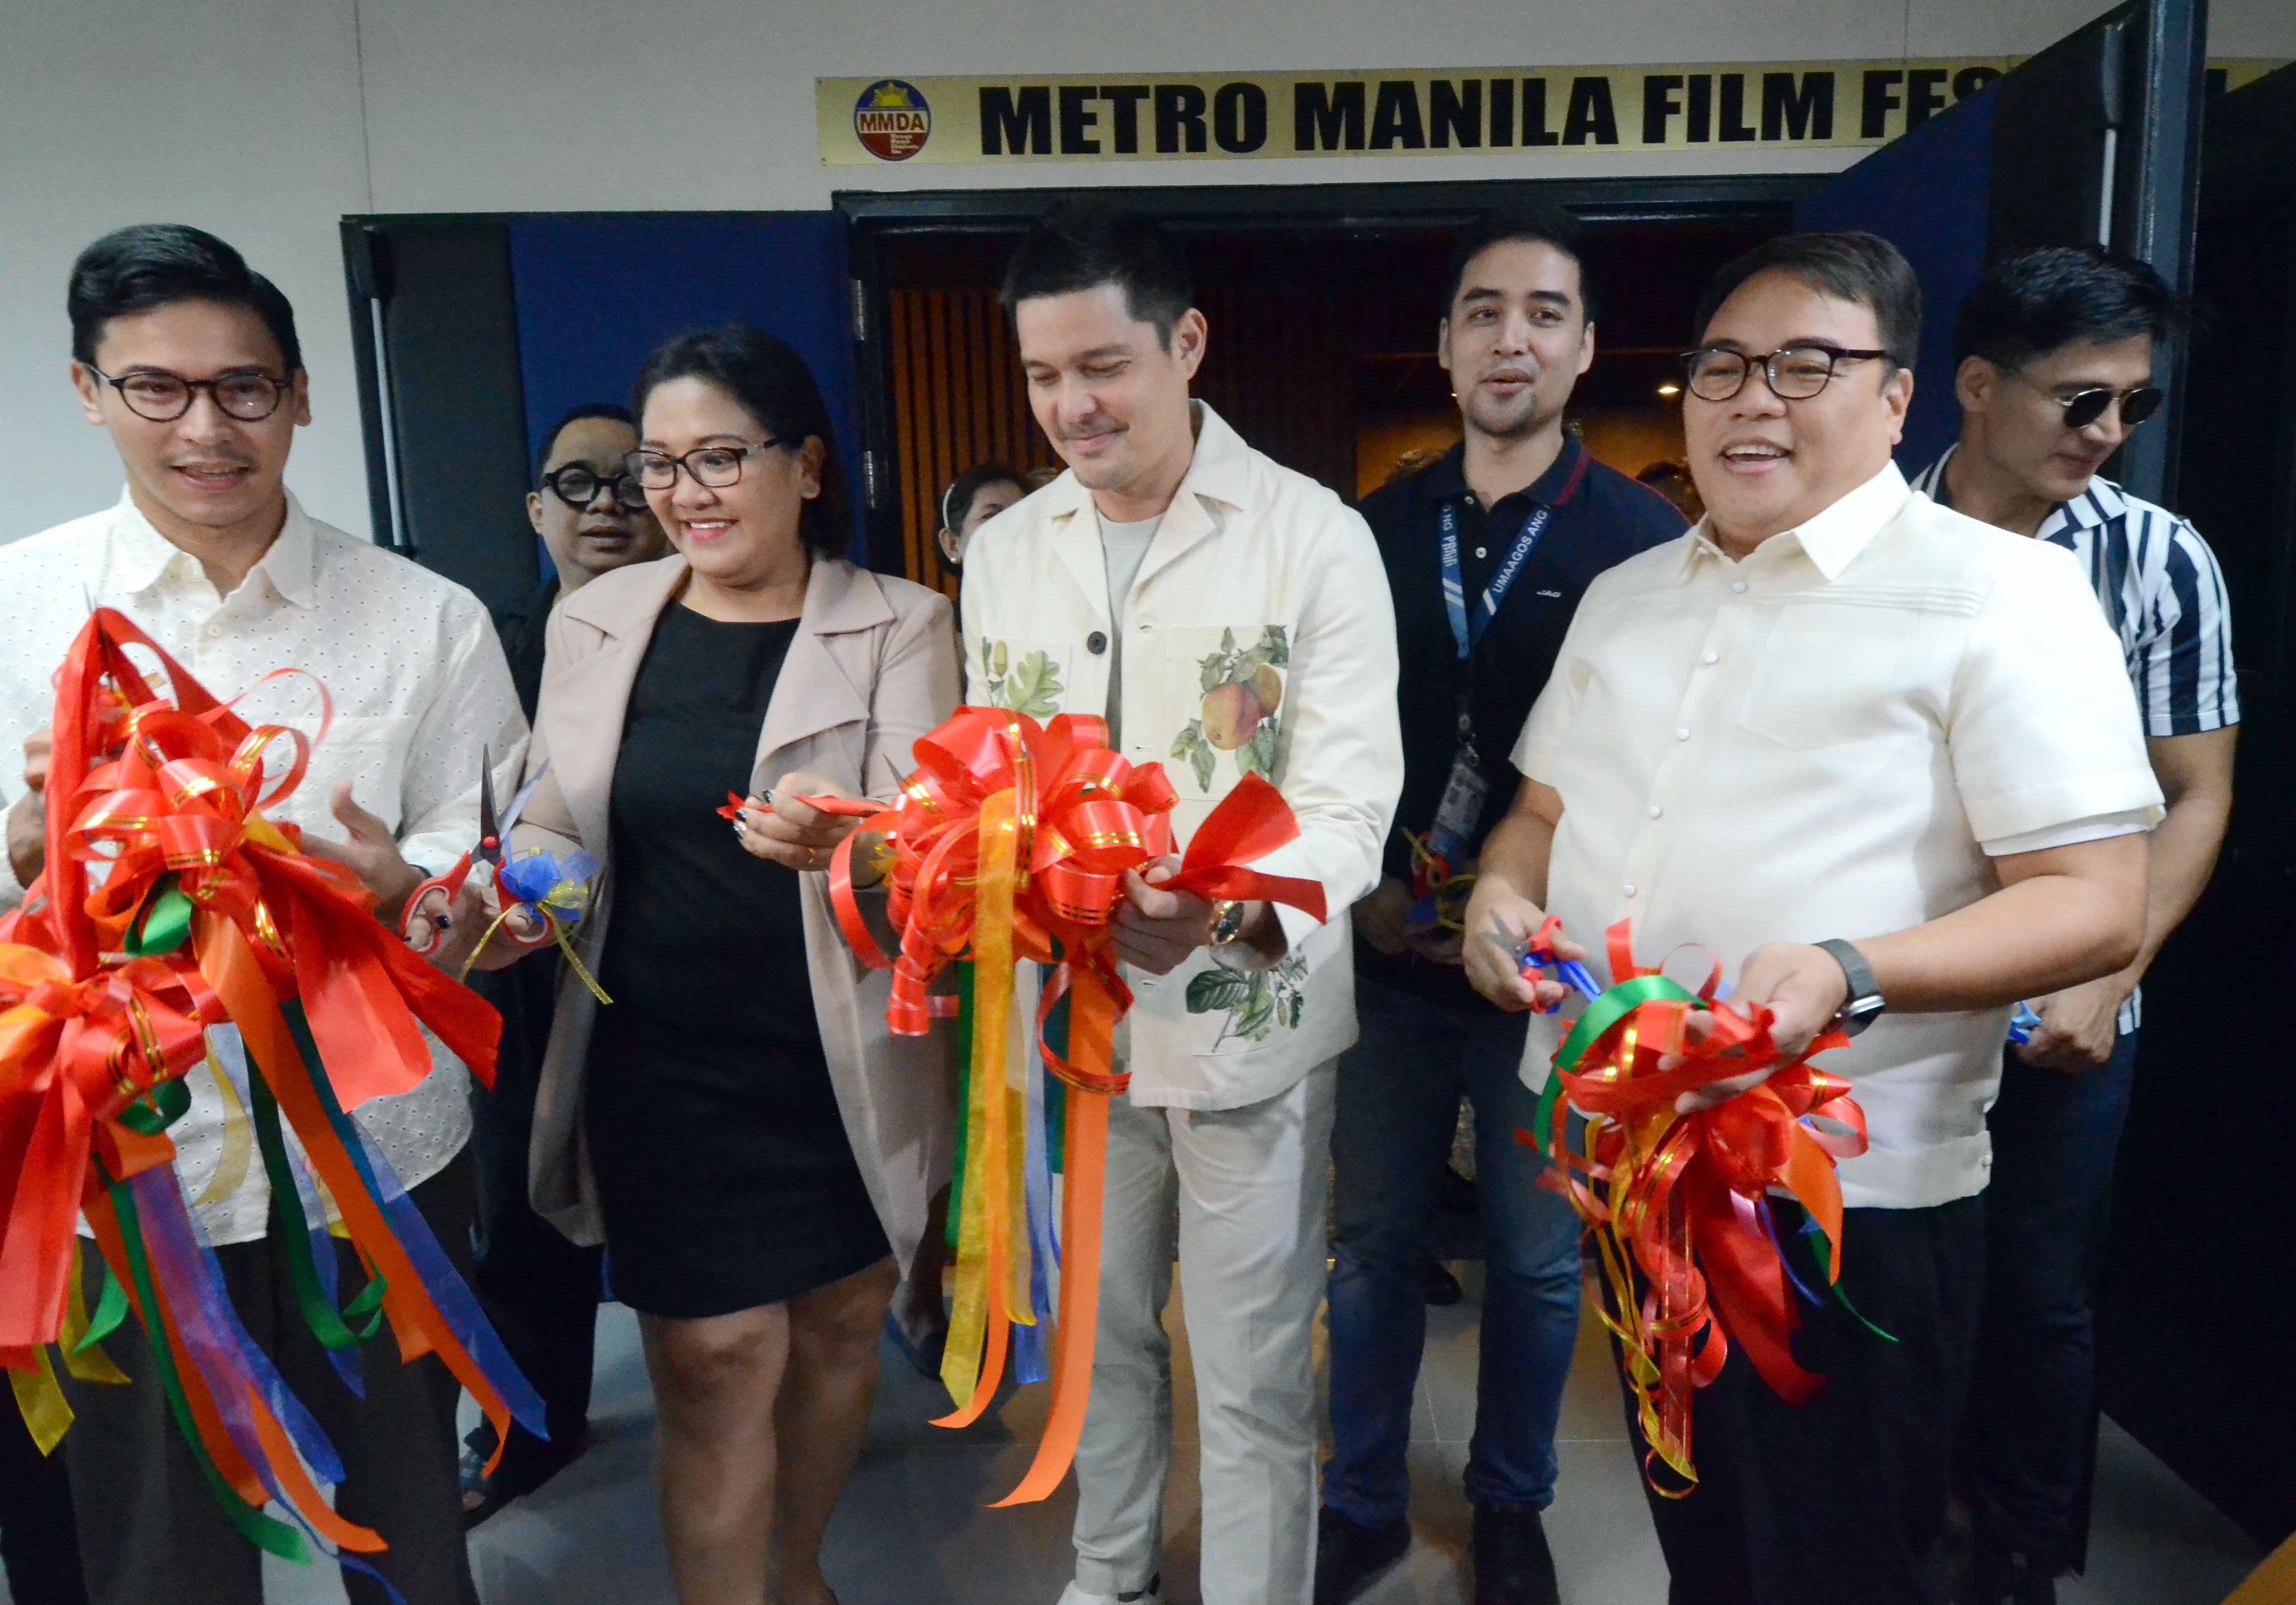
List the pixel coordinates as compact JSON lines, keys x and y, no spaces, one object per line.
{"x":1227,"y":617}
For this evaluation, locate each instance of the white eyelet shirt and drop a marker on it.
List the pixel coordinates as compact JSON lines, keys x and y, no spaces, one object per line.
{"x":419,"y":684}
{"x":1834,"y":737}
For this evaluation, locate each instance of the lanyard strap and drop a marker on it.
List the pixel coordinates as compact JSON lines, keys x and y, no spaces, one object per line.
{"x":1467,"y":630}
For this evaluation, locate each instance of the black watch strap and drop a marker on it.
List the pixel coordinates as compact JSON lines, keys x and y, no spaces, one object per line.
{"x":1864,"y":1002}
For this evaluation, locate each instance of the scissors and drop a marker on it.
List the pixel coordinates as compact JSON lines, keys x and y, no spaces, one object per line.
{"x":492,"y":834}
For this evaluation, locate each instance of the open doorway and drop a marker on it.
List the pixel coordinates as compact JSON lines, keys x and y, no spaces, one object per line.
{"x":1322,"y":322}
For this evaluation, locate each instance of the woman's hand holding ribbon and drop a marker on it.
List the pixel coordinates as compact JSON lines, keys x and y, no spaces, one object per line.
{"x":791,"y":829}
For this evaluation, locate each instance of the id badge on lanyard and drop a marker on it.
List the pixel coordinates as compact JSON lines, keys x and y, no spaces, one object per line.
{"x":1466,"y":790}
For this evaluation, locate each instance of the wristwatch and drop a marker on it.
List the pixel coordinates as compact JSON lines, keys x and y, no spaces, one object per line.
{"x":1864,"y":1003}
{"x":1227,"y":923}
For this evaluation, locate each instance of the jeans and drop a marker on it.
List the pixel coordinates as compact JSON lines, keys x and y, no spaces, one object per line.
{"x":2030,"y":1440}
{"x":1399,"y":1100}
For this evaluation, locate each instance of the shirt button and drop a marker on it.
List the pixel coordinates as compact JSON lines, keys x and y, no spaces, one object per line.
{"x":1713,"y":657}
{"x":1095,"y":642}
{"x":1655,"y":811}
{"x":1629,"y":888}
{"x":1482,"y":552}
{"x":1683,"y":735}
{"x":1739,"y":586}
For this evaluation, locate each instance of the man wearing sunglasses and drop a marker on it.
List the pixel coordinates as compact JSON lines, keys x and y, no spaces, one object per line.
{"x":190,"y":363}
{"x":1883,"y":762}
{"x":2055,"y":369}
{"x":540,"y":1290}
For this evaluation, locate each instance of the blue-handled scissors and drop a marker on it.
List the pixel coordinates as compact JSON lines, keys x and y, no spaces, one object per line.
{"x":1538,"y":953}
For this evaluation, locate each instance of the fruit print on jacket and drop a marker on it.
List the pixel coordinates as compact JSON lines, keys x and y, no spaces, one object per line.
{"x":1242,"y":707}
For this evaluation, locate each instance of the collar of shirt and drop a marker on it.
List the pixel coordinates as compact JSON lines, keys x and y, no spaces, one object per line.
{"x":1220,"y":471}
{"x":1553,"y":489}
{"x":141,"y":557}
{"x":2093,"y":509}
{"x":1831,"y":540}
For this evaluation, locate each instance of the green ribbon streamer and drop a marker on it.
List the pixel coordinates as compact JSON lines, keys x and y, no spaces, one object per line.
{"x":163,"y":1106}
{"x":1600,"y":1016}
{"x":964,"y":1099}
{"x":333,"y":1330}
{"x":110,"y":1310}
{"x":273,"y":1537}
{"x":164,"y":924}
{"x":1820,"y":1251}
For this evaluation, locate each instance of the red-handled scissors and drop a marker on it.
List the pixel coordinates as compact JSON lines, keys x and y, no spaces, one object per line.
{"x":492,"y":834}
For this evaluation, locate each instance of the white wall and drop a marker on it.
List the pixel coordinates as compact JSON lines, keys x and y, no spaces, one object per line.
{"x":265,"y":120}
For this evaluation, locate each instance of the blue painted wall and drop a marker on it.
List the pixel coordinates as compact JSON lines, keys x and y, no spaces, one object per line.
{"x":1928,"y":195}
{"x":597,"y":292}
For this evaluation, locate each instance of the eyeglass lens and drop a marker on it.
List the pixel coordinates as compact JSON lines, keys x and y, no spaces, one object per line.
{"x":717,"y":467}
{"x":164,"y":397}
{"x":1795,"y":374}
{"x":578,"y":487}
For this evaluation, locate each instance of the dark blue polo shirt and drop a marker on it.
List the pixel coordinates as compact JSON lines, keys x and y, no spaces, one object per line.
{"x":1600,"y":519}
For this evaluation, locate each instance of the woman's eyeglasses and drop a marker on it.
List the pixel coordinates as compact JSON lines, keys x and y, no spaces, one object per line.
{"x":716,"y":466}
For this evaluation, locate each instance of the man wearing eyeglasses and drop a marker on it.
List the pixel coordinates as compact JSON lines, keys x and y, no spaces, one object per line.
{"x":592,"y":517}
{"x":2055,"y":369}
{"x":540,"y":1290}
{"x":1884,"y":761}
{"x":190,"y":363}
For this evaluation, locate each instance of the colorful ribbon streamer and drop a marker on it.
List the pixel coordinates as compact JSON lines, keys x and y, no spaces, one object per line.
{"x":1010,"y":843}
{"x":171,"y":907}
{"x":1687,"y":1258}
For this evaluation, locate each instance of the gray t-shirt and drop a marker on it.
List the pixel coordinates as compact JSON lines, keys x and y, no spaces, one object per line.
{"x":1124,"y":546}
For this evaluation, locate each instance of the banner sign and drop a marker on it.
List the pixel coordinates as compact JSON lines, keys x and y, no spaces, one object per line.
{"x":1467,"y":111}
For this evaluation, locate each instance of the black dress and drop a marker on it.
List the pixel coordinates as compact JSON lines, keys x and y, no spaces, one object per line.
{"x":724,"y":1175}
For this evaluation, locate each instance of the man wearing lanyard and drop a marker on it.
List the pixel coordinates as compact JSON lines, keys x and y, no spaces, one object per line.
{"x":2055,"y":369}
{"x":1487,"y":553}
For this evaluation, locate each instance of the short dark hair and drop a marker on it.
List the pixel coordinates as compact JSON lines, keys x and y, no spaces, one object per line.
{"x":1850,"y":266}
{"x":766,"y":374}
{"x":1529,"y":222}
{"x":148,"y":265}
{"x":957,"y":501}
{"x":1083,"y":244}
{"x":2041,"y":300}
{"x":573,"y":415}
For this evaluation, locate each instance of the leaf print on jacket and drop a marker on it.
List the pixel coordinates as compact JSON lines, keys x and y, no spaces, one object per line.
{"x":1032,"y":686}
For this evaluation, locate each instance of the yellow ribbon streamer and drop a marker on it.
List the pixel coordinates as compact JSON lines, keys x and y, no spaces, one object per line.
{"x":238,"y":1141}
{"x":987,"y":1202}
{"x":40,"y":1397}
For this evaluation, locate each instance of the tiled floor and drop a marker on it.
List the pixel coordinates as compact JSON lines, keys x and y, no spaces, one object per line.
{"x":912,"y":1530}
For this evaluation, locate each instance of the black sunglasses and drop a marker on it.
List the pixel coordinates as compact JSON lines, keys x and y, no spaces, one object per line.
{"x":2085,"y":407}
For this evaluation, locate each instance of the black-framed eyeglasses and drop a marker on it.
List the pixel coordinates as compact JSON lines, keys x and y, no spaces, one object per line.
{"x":716,"y":466}
{"x":577,"y":487}
{"x":2085,"y":407}
{"x":162,"y":396}
{"x":1794,"y":373}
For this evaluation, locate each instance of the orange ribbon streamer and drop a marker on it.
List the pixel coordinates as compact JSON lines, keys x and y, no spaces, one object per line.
{"x":152,"y":795}
{"x":1676,"y":1204}
{"x":1010,"y":842}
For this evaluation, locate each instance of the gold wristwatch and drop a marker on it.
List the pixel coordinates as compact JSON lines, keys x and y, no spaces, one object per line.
{"x":1227,"y":923}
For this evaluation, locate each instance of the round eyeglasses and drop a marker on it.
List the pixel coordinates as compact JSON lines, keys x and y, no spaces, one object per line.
{"x":716,"y":466}
{"x":162,"y":396}
{"x":2085,"y":407}
{"x":577,"y":487}
{"x":1794,"y":373}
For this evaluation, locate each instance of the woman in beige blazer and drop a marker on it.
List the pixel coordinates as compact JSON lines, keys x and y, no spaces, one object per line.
{"x":755,"y":1149}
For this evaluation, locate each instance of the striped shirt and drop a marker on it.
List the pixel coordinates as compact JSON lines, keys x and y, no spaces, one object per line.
{"x":2164,"y":597}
